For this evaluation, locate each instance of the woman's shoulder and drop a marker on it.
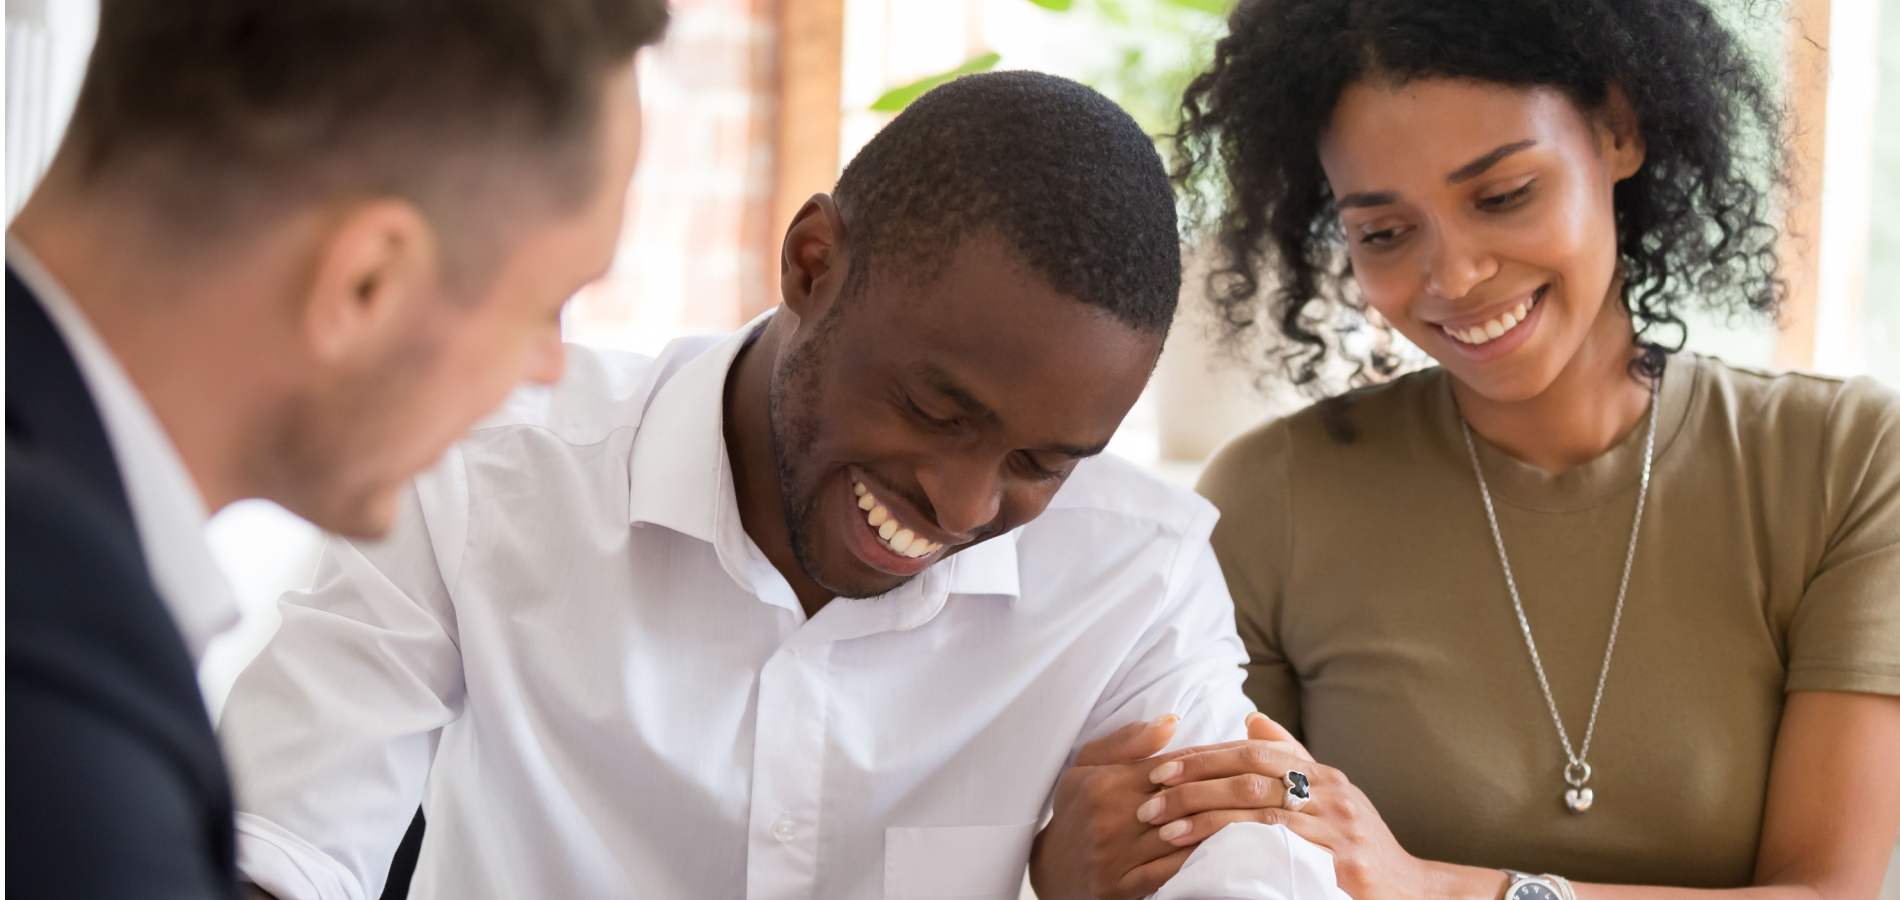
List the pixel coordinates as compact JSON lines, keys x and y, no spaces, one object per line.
{"x":1849,"y":415}
{"x":1338,"y":431}
{"x":1819,"y":449}
{"x":1363,"y":416}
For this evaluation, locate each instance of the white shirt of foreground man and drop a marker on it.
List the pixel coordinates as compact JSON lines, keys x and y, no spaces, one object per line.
{"x":597,"y":686}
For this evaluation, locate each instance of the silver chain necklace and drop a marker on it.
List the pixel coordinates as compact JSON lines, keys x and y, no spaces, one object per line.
{"x":1577,"y":772}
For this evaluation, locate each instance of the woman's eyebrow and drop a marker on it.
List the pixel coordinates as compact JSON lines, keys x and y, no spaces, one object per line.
{"x":1478,"y":166}
{"x":1368,"y":198}
{"x":1464,"y":173}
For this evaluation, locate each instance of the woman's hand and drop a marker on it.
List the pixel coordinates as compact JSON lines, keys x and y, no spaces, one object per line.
{"x":1208,"y":788}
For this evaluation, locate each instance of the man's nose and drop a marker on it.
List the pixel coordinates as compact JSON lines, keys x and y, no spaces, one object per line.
{"x":965,"y":494}
{"x":1455,"y":263}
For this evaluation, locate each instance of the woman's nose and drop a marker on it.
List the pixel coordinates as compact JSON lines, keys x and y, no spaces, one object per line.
{"x":1455,"y":264}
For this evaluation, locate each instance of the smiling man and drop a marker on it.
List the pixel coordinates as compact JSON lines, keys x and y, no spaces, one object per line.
{"x":820,"y":609}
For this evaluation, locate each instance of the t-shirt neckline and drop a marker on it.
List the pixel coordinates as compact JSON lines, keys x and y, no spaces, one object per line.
{"x":1594,"y":483}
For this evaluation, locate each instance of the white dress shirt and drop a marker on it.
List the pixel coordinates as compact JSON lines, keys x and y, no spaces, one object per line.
{"x":1251,"y":861}
{"x":168,"y":511}
{"x":571,"y":654}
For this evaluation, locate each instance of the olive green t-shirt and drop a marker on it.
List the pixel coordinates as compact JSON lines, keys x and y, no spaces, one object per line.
{"x":1371,"y":599}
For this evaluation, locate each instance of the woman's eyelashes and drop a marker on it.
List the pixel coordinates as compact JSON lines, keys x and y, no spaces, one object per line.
{"x":1510,"y":199}
{"x":1384,"y":236}
{"x":1372,"y":235}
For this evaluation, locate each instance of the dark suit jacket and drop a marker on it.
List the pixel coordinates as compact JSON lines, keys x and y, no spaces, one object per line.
{"x":115,"y":787}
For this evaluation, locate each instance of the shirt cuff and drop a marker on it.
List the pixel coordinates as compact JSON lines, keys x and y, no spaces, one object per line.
{"x":1871,"y":678}
{"x":288,"y":867}
{"x":1251,"y":861}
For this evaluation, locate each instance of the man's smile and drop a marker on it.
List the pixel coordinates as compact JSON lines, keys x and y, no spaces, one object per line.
{"x":892,"y":533}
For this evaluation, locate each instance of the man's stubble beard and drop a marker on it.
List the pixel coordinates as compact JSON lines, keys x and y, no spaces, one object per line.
{"x":324,"y":457}
{"x":791,"y":407}
{"x":311,"y":477}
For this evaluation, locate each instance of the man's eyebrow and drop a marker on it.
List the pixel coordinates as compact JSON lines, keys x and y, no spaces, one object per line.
{"x":960,"y":395}
{"x":1076,"y":451}
{"x":1478,"y":166}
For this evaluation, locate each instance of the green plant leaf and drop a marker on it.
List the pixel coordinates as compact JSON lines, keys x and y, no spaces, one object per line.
{"x":1057,"y":5}
{"x":897,"y":98}
{"x":1211,"y":7}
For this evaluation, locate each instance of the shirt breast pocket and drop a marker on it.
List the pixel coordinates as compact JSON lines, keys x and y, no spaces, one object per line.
{"x":972,"y":862}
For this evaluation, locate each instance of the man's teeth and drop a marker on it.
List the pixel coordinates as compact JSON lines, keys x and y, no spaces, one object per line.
{"x":1494,"y":329}
{"x":902,"y":541}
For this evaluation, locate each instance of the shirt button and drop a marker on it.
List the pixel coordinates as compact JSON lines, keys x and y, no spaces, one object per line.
{"x":784,"y":830}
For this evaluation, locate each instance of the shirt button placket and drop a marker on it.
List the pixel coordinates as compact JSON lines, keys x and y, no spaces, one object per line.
{"x":787,"y":766}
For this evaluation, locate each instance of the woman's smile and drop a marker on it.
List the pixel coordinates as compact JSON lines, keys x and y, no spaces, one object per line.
{"x":1490,"y":333}
{"x":1490,"y":328}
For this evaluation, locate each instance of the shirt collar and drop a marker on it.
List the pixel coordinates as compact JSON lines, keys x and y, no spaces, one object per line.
{"x":167,"y":509}
{"x":681,"y":479}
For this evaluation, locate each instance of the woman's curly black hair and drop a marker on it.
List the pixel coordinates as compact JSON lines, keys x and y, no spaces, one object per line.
{"x":1693,"y":225}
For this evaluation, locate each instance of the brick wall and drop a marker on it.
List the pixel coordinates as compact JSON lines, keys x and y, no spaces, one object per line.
{"x":699,"y":246}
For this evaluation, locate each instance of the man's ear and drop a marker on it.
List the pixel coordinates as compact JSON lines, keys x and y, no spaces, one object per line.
{"x":1620,"y":134}
{"x":815,"y":261}
{"x":376,"y":261}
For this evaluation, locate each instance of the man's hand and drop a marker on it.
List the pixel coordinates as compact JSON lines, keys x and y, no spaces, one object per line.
{"x":1094,"y":847}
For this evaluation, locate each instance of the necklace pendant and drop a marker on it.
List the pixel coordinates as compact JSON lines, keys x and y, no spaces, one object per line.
{"x":1579,"y":799}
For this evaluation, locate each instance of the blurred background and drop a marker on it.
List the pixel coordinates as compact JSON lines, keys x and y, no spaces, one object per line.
{"x":752,"y":106}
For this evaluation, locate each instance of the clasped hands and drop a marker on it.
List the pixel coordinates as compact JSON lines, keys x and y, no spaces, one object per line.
{"x":1126,"y":819}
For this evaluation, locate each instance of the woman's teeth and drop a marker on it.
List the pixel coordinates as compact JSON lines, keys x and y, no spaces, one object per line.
{"x":901,"y":541}
{"x":1494,"y":329}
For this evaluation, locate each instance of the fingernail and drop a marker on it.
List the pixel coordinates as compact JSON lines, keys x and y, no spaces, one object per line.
{"x":1150,"y":810}
{"x":1168,"y":719}
{"x":1176,"y":828}
{"x":1164,"y":772}
{"x":1253,"y":716}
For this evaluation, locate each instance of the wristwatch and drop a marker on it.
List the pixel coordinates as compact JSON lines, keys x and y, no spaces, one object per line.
{"x":1525,"y":886}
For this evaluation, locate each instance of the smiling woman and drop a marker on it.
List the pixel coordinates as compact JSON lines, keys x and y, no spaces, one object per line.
{"x":1571,"y":601}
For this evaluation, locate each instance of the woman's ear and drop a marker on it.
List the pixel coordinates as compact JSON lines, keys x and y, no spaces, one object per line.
{"x":377,"y":261}
{"x":1620,"y":134}
{"x":815,"y":262}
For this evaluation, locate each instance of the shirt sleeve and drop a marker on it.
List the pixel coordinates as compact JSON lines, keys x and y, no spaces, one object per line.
{"x":1189,"y":663}
{"x":332,"y":730}
{"x":1247,"y":480}
{"x":1845,"y":632}
{"x":1251,"y":861}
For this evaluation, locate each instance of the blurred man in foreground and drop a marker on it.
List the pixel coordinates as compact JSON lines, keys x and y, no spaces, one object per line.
{"x":289,"y":249}
{"x":820,"y":609}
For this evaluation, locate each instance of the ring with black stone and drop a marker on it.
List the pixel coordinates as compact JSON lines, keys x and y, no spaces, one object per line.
{"x":1298,"y":791}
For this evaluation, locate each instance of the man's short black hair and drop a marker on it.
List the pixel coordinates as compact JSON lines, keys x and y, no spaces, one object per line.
{"x":1056,"y":169}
